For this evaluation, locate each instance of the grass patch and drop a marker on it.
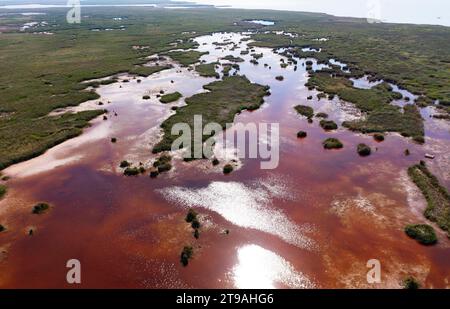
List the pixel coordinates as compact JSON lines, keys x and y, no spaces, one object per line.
{"x":332,"y":143}
{"x":437,"y":196}
{"x":423,"y":233}
{"x":207,"y":70}
{"x":170,"y":97}
{"x":304,"y":110}
{"x":232,"y":58}
{"x":224,"y":100}
{"x":186,"y":58}
{"x":147,"y":71}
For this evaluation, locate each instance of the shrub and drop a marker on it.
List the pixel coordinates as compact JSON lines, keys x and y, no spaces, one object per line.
{"x":186,"y":255}
{"x":310,"y":97}
{"x":146,"y":97}
{"x":195,"y":224}
{"x":191,"y":216}
{"x":378,"y":137}
{"x":131,"y":171}
{"x":227,"y":169}
{"x":419,"y":139}
{"x":407,"y":152}
{"x":2,"y":228}
{"x":196,"y":234}
{"x":332,"y":143}
{"x":171,"y":97}
{"x":113,"y":140}
{"x":40,"y":208}
{"x":163,"y":164}
{"x":279,"y":78}
{"x":164,"y":167}
{"x":215,"y":162}
{"x":309,"y":63}
{"x":423,"y":233}
{"x":304,"y":110}
{"x":322,"y":115}
{"x":154,"y":172}
{"x":328,"y":125}
{"x":302,"y":134}
{"x":124,"y":164}
{"x":411,"y":283}
{"x":364,"y":150}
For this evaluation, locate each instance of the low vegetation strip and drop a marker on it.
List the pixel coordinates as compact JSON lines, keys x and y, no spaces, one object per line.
{"x":207,"y":70}
{"x":438,"y":198}
{"x":170,"y":97}
{"x":186,"y":58}
{"x":224,"y":100}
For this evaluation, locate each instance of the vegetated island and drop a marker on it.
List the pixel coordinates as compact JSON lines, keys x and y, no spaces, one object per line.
{"x":207,"y":70}
{"x":437,"y":196}
{"x":170,"y":97}
{"x":225,"y":99}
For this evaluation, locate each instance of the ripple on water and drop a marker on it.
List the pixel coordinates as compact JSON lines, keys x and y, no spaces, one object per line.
{"x":248,"y":206}
{"x":258,"y":268}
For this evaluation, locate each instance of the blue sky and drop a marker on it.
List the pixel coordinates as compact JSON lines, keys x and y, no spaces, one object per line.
{"x":404,"y":11}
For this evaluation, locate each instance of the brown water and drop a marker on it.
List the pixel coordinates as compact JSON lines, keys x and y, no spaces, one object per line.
{"x":314,"y":221}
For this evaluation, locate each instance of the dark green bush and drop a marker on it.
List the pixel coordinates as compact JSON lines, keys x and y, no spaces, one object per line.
{"x":124,"y":164}
{"x":227,"y":169}
{"x":191,"y":216}
{"x":411,"y":283}
{"x":322,"y":115}
{"x":302,"y":134}
{"x":378,"y":137}
{"x":332,"y":143}
{"x":364,"y":150}
{"x":40,"y":208}
{"x":328,"y":125}
{"x":131,"y":171}
{"x":186,"y":255}
{"x":423,"y":233}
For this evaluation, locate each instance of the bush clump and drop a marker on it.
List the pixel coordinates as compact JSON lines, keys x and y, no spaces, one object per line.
{"x":322,"y":115}
{"x":332,"y":143}
{"x":124,"y":164}
{"x":328,"y":125}
{"x":364,"y":150}
{"x":113,"y":140}
{"x":227,"y":169}
{"x":378,"y":137}
{"x":305,"y":110}
{"x":423,"y":233}
{"x":146,"y":97}
{"x":186,"y":255}
{"x":170,"y":97}
{"x":191,"y":216}
{"x":2,"y":228}
{"x":154,"y":172}
{"x":302,"y":134}
{"x":279,"y":78}
{"x":410,"y":283}
{"x":215,"y":162}
{"x":131,"y":171}
{"x":40,"y":208}
{"x":163,"y":164}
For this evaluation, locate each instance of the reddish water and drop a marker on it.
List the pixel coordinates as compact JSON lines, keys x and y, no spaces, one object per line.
{"x":314,"y":221}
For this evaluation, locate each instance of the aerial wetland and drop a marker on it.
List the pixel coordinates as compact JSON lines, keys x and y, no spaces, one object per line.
{"x":363,"y":173}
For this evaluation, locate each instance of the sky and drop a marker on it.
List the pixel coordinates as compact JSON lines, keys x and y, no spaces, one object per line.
{"x":401,"y":11}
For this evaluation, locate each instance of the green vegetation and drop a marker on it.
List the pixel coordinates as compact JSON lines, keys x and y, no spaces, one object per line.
{"x":322,"y":115}
{"x":228,"y":169}
{"x":186,"y":255}
{"x":162,"y":164}
{"x":146,"y":71}
{"x":363,"y":150}
{"x":2,"y":228}
{"x":215,"y":162}
{"x":186,"y":58}
{"x":191,"y":216}
{"x":146,"y":97}
{"x":279,"y":78}
{"x":40,"y":208}
{"x":224,"y":100}
{"x":423,"y":233}
{"x":305,"y":110}
{"x":3,"y":190}
{"x":231,"y":58}
{"x":207,"y":70}
{"x":302,"y":134}
{"x":332,"y":143}
{"x":410,"y":283}
{"x":131,"y":171}
{"x":437,"y":196}
{"x":378,"y":137}
{"x":170,"y":97}
{"x":328,"y":125}
{"x":124,"y":164}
